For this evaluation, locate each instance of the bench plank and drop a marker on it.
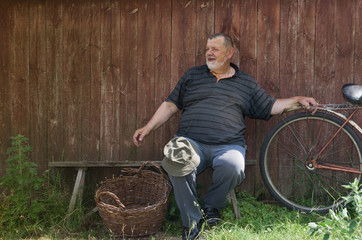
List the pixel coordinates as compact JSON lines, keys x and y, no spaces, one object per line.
{"x":83,"y":164}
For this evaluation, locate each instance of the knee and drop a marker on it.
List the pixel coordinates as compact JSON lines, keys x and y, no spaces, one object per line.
{"x":232,"y":167}
{"x":238,"y":176}
{"x":232,"y":170}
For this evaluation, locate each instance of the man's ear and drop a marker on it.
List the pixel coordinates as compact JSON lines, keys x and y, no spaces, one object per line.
{"x":231,"y":52}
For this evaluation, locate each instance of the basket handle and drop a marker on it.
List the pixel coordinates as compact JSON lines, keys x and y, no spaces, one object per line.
{"x":115,"y":198}
{"x":154,"y":165}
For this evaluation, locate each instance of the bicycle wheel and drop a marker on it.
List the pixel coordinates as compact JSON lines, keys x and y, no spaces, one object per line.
{"x":297,"y":139}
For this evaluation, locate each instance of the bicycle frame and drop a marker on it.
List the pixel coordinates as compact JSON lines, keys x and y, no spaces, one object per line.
{"x":328,"y":108}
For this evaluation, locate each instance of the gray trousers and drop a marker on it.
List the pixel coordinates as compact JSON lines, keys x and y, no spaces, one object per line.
{"x":228,"y":163}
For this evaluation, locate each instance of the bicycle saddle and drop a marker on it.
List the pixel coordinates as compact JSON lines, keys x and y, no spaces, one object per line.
{"x":352,"y":93}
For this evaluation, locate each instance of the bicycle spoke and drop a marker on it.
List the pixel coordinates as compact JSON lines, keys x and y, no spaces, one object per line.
{"x":294,"y":142}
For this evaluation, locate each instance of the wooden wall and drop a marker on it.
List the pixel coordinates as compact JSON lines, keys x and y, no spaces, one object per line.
{"x":78,"y":77}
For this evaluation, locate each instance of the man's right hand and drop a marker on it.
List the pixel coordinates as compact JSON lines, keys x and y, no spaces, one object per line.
{"x":139,"y":135}
{"x":163,"y":113}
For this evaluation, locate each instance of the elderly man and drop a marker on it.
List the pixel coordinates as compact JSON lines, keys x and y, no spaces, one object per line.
{"x":214,"y":99}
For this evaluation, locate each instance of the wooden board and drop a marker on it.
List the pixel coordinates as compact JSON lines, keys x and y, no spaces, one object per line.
{"x":19,"y":69}
{"x":146,"y":79}
{"x":38,"y":84}
{"x":345,"y":45}
{"x":128,"y":94}
{"x":72,"y":79}
{"x":5,"y":107}
{"x":54,"y":77}
{"x":183,"y":45}
{"x":248,"y":64}
{"x":268,"y":63}
{"x":162,"y":71}
{"x":91,"y":81}
{"x":325,"y":50}
{"x":358,"y":44}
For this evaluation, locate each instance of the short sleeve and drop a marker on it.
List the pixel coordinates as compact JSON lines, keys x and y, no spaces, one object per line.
{"x":178,"y":93}
{"x":261,"y":104}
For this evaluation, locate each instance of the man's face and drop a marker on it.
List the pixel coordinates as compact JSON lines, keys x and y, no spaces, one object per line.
{"x":217,"y":55}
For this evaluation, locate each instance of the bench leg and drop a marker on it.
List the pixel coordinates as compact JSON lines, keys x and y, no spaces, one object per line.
{"x":78,"y":188}
{"x":233,"y":200}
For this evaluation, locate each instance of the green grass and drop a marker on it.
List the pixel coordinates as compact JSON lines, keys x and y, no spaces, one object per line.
{"x":258,"y":221}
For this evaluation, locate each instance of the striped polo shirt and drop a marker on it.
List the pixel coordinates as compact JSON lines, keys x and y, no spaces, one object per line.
{"x":213,"y":112}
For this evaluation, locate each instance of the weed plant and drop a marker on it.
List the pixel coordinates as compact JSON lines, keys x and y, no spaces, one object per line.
{"x":24,"y":204}
{"x":29,"y":203}
{"x":343,"y":223}
{"x":34,"y":205}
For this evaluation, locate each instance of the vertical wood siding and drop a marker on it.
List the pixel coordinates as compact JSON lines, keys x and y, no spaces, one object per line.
{"x":77,"y":77}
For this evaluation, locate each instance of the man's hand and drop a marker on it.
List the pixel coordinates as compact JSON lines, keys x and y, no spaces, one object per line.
{"x":281,"y":105}
{"x":308,"y":102}
{"x":163,"y":113}
{"x":139,"y":135}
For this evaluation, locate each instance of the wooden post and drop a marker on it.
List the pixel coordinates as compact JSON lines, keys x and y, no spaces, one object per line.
{"x":232,"y":199}
{"x":78,"y":188}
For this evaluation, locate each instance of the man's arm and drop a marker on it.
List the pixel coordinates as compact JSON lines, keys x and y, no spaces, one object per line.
{"x":163,"y":113}
{"x":284,"y":103}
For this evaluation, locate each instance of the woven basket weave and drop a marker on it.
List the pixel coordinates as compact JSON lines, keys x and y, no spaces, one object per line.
{"x":136,"y":203}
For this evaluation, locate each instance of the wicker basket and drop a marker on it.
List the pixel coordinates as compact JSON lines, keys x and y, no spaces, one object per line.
{"x":136,"y":203}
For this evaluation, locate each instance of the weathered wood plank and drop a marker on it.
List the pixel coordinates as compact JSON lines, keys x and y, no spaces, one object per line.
{"x":110,"y":80}
{"x":84,"y":164}
{"x":162,"y":58}
{"x":19,"y":68}
{"x":115,"y":30}
{"x":288,"y":84}
{"x":288,"y":51}
{"x":305,"y":47}
{"x":358,"y":44}
{"x":268,"y":45}
{"x":325,"y":51}
{"x":73,"y":48}
{"x":345,"y":45}
{"x":248,"y":64}
{"x":267,"y":61}
{"x":183,"y":46}
{"x":128,"y":121}
{"x":5,"y":110}
{"x":248,"y":37}
{"x":38,"y":85}
{"x":91,"y":81}
{"x":357,"y":61}
{"x":146,"y":73}
{"x":55,"y":76}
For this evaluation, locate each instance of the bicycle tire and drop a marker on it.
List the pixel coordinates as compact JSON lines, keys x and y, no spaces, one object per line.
{"x":297,"y":139}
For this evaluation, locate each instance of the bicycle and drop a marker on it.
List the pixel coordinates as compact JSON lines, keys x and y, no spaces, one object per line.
{"x":307,"y":158}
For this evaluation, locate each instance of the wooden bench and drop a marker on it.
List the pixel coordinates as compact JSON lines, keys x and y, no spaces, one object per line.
{"x":82,"y":167}
{"x":81,"y":170}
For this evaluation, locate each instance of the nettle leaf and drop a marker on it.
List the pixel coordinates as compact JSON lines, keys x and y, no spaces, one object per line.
{"x":352,"y":226}
{"x":327,"y":235}
{"x":328,"y":222}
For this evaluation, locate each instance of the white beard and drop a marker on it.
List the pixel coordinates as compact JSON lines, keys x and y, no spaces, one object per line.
{"x":215,"y":65}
